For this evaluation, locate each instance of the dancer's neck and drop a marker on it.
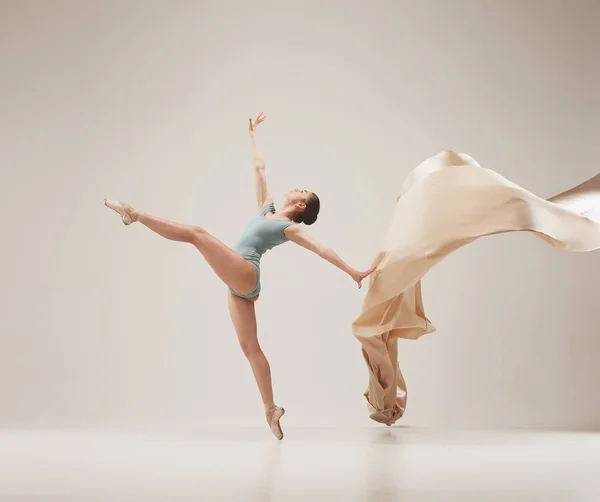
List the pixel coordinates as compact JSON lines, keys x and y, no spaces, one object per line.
{"x":287,"y":212}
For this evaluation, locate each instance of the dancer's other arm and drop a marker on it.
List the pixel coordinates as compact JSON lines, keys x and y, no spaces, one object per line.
{"x":297,"y":234}
{"x":262,"y":193}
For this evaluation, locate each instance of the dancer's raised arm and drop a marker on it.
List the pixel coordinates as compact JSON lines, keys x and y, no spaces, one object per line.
{"x":262,"y":193}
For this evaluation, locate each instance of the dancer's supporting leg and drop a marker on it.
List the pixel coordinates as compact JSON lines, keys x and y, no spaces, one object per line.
{"x":243,"y":316}
{"x":231,"y":268}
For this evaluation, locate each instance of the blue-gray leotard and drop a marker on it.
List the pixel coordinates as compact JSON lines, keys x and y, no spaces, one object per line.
{"x":260,"y":235}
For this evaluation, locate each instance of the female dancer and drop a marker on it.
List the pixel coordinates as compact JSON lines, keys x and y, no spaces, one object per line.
{"x":239,"y":269}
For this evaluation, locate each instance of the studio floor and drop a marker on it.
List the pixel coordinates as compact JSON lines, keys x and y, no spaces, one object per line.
{"x":311,"y":464}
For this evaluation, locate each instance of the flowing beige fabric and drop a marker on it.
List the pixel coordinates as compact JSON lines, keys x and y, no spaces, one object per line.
{"x":446,"y":202}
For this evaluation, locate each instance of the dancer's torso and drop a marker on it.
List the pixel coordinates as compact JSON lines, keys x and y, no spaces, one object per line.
{"x":260,"y":235}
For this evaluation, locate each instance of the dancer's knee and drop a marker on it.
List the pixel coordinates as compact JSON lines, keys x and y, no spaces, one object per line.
{"x":251,"y":349}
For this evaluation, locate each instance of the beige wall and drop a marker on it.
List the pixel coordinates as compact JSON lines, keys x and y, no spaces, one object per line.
{"x":109,"y":326}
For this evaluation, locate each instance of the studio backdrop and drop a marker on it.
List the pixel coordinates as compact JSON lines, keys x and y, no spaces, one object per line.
{"x":107,"y":326}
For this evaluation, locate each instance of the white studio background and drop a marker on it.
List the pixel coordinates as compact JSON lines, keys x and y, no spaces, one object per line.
{"x":107,"y":326}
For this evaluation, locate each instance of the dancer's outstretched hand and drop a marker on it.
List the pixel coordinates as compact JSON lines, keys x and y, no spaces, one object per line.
{"x":256,"y":121}
{"x":359,"y":276}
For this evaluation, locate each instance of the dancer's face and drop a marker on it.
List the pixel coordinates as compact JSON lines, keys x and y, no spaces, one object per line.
{"x":297,"y":195}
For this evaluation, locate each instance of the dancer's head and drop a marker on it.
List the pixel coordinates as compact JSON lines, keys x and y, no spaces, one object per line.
{"x":306,"y":203}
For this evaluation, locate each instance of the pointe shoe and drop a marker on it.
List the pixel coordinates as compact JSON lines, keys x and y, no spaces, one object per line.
{"x":123,"y":209}
{"x":274,"y":422}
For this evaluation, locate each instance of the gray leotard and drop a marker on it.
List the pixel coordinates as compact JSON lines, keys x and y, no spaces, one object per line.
{"x":260,"y":235}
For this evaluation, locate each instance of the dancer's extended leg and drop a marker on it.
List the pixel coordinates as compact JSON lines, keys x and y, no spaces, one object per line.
{"x":231,"y":268}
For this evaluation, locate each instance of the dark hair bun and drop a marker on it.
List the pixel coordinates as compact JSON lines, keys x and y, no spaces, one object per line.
{"x":309,"y":220}
{"x":309,"y":215}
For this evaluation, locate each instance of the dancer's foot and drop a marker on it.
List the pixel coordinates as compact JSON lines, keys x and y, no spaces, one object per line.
{"x":128,"y":214}
{"x":274,"y":414}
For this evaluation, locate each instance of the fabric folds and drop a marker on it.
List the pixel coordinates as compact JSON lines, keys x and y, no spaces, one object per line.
{"x":446,"y":202}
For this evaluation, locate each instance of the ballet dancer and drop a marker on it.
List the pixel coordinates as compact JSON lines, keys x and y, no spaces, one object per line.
{"x":239,"y":268}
